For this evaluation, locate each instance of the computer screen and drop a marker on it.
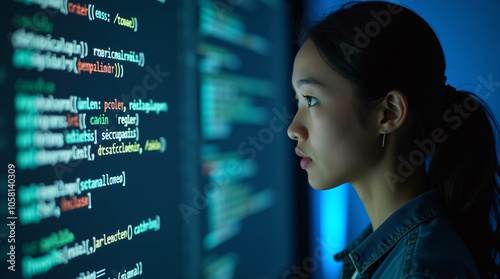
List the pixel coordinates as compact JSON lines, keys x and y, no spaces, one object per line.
{"x":145,"y":138}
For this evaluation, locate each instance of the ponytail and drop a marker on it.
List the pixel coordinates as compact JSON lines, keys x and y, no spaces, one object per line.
{"x":465,"y":168}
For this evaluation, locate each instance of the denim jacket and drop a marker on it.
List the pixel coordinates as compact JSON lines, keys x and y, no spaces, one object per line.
{"x":416,"y":241}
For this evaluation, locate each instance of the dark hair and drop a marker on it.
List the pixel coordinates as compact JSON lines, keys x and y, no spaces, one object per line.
{"x":378,"y":47}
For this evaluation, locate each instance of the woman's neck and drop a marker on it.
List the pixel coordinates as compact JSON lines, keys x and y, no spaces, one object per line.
{"x":382,"y":195}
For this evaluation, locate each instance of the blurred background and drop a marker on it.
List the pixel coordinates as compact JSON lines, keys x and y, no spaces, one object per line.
{"x":148,"y":138}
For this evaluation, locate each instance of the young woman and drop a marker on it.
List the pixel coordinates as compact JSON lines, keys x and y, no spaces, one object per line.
{"x":375,"y":111}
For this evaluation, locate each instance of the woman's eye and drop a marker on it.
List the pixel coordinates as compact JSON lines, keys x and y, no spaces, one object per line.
{"x":310,"y":100}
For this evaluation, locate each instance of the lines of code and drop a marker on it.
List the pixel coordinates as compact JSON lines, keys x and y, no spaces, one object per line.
{"x":61,"y":248}
{"x":47,"y":52}
{"x":90,"y":11}
{"x":40,"y":119}
{"x":147,"y":139}
{"x":241,"y":138}
{"x":93,"y":136}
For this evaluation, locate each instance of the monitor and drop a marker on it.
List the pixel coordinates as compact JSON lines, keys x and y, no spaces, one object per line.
{"x":145,"y":138}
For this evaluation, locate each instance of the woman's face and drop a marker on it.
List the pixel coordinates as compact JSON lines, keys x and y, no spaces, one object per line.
{"x":336,"y":146}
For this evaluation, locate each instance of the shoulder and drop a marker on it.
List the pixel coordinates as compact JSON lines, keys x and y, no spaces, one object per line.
{"x":435,"y":250}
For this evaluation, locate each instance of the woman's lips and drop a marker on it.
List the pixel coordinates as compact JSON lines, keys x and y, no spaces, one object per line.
{"x":304,"y":162}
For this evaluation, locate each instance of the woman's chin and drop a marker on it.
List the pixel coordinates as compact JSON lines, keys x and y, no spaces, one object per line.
{"x":319,"y":184}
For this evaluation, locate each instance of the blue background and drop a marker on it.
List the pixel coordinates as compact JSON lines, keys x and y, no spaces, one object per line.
{"x":468,"y":31}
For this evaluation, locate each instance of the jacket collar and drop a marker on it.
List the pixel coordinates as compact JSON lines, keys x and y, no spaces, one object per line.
{"x":370,"y":246}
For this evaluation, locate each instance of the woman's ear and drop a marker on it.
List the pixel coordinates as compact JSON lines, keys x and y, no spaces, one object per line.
{"x":392,"y":111}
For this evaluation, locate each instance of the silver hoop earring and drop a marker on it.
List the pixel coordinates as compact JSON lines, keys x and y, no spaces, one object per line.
{"x":383,"y":139}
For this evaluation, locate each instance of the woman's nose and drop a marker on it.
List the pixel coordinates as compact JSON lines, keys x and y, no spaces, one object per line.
{"x":296,"y":130}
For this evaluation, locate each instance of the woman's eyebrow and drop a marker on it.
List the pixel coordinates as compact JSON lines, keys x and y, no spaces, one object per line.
{"x":306,"y":81}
